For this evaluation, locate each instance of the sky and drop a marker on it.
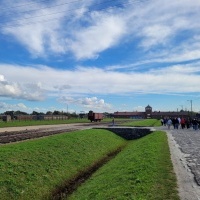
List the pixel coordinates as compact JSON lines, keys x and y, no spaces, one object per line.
{"x":100,"y":55}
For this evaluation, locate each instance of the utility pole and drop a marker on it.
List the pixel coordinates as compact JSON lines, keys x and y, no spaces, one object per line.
{"x":190,"y":104}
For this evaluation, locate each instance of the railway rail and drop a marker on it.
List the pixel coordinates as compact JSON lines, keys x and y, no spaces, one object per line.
{"x":15,"y":136}
{"x":20,"y":135}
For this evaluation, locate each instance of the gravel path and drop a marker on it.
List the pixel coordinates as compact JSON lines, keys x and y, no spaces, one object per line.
{"x":184,"y":147}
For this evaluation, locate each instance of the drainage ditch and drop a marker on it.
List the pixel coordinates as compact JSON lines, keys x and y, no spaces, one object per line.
{"x":71,"y":185}
{"x":67,"y":188}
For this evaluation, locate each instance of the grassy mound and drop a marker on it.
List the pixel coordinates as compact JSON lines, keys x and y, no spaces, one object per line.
{"x":33,"y":169}
{"x":143,"y":170}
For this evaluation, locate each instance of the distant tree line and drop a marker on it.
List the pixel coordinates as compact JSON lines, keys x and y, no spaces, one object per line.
{"x":56,"y":112}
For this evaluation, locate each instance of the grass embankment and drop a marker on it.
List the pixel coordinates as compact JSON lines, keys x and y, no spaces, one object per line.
{"x":142,"y":171}
{"x":143,"y":123}
{"x":33,"y":169}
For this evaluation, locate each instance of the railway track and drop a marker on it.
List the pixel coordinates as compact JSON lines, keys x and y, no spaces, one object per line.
{"x":15,"y":136}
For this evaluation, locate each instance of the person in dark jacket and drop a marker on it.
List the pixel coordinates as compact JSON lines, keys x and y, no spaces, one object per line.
{"x":174,"y":122}
{"x":188,"y":123}
{"x":195,"y":124}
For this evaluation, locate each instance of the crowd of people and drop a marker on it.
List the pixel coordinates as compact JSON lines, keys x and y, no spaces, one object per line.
{"x":182,"y":123}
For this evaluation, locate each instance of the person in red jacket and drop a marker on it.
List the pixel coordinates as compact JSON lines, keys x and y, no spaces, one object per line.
{"x":182,"y":123}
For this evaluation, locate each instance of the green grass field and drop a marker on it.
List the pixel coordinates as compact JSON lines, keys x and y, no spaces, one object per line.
{"x":142,"y":171}
{"x":34,"y":169}
{"x":18,"y":123}
{"x":142,"y":123}
{"x":127,"y":122}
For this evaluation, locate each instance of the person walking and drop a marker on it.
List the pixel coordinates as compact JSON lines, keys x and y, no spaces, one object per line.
{"x":169,"y":123}
{"x":162,"y":121}
{"x":195,"y":124}
{"x":188,"y":123}
{"x":176,"y":123}
{"x":182,"y":123}
{"x":113,"y":121}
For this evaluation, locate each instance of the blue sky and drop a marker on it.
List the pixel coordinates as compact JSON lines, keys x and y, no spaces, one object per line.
{"x":104,"y":56}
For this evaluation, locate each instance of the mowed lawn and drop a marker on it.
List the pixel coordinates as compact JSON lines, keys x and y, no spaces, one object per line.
{"x":142,"y":171}
{"x":34,"y":169}
{"x":17,"y":123}
{"x":143,"y":123}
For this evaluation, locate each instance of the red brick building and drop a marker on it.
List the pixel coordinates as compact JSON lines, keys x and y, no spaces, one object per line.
{"x":148,"y":113}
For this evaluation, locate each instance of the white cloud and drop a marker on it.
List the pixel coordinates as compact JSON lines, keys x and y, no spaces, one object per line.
{"x":188,"y":69}
{"x":101,"y":35}
{"x":165,"y":25}
{"x":75,"y":28}
{"x":95,"y":81}
{"x":87,"y":103}
{"x":41,"y":30}
{"x":16,"y":90}
{"x":155,"y":34}
{"x":15,"y":107}
{"x":37,"y":38}
{"x":21,"y":106}
{"x":150,"y":24}
{"x":139,"y":109}
{"x":2,"y":78}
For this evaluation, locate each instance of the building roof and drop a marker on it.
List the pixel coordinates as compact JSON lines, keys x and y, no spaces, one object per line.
{"x":177,"y":114}
{"x":128,"y":113}
{"x":148,"y":106}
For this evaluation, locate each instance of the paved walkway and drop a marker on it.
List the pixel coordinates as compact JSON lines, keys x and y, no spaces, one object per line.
{"x":185,"y":153}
